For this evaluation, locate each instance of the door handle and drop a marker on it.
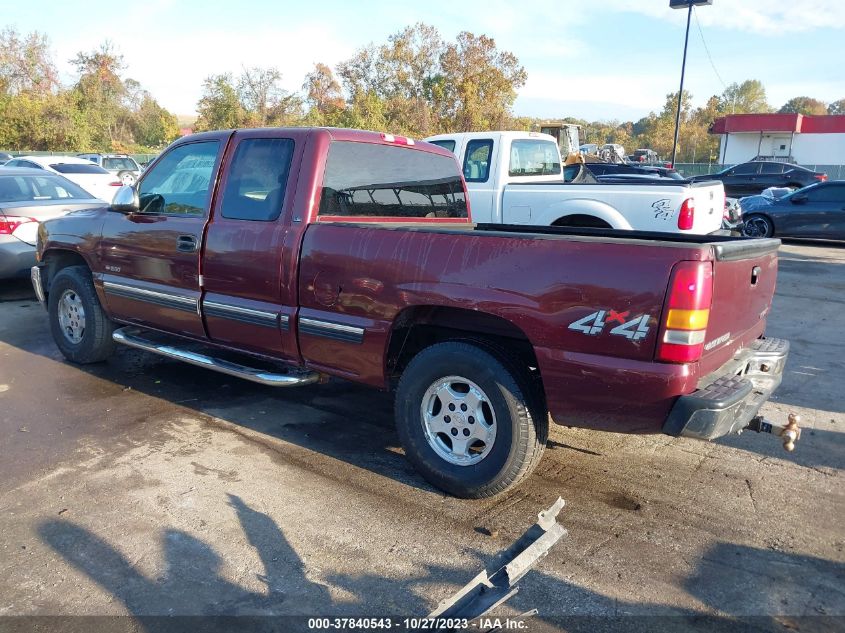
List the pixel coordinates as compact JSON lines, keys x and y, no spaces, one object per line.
{"x":186,"y":243}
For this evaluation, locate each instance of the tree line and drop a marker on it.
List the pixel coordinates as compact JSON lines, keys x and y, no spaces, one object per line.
{"x":416,"y":83}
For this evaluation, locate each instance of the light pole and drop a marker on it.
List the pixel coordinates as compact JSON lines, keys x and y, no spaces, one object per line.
{"x":688,"y":5}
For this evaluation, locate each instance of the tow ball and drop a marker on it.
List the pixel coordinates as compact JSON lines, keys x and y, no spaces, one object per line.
{"x":790,"y":433}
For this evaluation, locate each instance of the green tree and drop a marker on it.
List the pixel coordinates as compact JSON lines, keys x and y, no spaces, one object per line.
{"x":804,"y":105}
{"x":219,"y":107}
{"x":744,"y":98}
{"x":836,"y":107}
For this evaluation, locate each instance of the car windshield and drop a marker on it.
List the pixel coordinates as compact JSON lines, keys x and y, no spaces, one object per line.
{"x":78,"y":168}
{"x":34,"y":188}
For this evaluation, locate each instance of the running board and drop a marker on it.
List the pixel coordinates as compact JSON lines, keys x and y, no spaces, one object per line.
{"x":129,"y":336}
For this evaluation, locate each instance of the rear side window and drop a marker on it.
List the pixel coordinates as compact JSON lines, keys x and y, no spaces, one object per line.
{"x":534,"y":158}
{"x":746,"y":169}
{"x":364,"y":179}
{"x":771,"y":168}
{"x":477,"y":160}
{"x":78,"y":168}
{"x":255,"y":188}
{"x":120,"y":164}
{"x":445,"y":144}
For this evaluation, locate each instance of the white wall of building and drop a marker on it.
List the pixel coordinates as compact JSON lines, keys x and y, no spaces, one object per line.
{"x":807,"y":149}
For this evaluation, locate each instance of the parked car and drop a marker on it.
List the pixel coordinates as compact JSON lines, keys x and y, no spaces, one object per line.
{"x":92,"y":178}
{"x":516,"y":178}
{"x":28,"y":197}
{"x":354,"y":254}
{"x":644,"y":156}
{"x":589,"y":148}
{"x":815,"y":212}
{"x":123,"y":166}
{"x":755,"y":176}
{"x":5,"y":157}
{"x":612,"y":152}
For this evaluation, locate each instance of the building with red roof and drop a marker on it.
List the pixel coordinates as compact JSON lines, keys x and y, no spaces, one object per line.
{"x":794,"y":138}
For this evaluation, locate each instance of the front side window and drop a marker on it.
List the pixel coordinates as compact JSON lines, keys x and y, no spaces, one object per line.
{"x":746,"y":169}
{"x":258,"y":176}
{"x":365,"y":179}
{"x":180,"y":182}
{"x":534,"y":158}
{"x":771,"y":168}
{"x":477,"y":160}
{"x":827,"y":193}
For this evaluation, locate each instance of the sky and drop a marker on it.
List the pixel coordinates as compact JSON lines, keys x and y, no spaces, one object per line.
{"x":592,"y":59}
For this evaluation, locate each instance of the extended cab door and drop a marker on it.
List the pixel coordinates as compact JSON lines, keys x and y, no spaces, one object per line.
{"x":250,"y":293}
{"x":150,"y":260}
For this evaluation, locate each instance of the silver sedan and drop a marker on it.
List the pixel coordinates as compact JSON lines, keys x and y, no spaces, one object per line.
{"x":27,"y":198}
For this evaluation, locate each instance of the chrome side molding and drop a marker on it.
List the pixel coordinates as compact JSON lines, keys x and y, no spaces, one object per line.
{"x":131,"y":336}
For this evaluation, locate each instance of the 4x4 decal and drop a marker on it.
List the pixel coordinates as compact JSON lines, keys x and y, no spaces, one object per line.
{"x":594,"y":324}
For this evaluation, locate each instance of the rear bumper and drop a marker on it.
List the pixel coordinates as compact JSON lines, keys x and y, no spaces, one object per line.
{"x":727,"y":400}
{"x":16,"y":258}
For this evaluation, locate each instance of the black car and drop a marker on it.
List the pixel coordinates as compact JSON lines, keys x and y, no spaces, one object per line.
{"x":815,"y":212}
{"x":753,"y":177}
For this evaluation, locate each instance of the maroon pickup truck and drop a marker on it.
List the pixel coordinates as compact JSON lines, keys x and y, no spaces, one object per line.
{"x":323,"y":252}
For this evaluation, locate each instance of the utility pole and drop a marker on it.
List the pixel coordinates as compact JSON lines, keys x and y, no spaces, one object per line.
{"x":688,"y":5}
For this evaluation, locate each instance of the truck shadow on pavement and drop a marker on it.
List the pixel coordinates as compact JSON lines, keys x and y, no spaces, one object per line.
{"x":746,"y":586}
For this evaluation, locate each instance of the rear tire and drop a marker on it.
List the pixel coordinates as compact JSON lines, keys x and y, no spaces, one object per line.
{"x":756,"y":225}
{"x":459,"y":391}
{"x":126,"y":177}
{"x":80,"y":327}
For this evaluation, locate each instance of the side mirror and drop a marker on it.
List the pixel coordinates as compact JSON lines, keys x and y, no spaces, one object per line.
{"x":126,"y":200}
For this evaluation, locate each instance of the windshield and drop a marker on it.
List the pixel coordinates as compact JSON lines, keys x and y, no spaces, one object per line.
{"x":34,"y":188}
{"x":77,"y":168}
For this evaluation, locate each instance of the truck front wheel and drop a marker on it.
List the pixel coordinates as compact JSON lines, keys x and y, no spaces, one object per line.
{"x":80,"y":327}
{"x":468,"y":422}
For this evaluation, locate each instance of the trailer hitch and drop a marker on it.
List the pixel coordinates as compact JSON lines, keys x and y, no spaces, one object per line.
{"x":497,"y":583}
{"x":790,"y":433}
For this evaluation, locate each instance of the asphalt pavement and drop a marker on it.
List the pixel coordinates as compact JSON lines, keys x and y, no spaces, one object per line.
{"x":142,"y":486}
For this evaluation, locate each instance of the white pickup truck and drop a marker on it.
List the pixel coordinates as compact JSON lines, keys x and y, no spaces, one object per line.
{"x":517,"y":178}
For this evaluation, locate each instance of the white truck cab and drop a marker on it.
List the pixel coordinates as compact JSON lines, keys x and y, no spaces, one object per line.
{"x":517,"y":178}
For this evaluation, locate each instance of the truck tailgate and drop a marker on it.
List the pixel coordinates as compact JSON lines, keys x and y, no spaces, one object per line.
{"x":744,"y":275}
{"x":709,"y":206}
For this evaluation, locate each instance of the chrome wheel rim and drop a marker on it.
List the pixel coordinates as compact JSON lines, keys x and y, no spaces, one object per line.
{"x":756,"y":227}
{"x":458,"y":420}
{"x":72,"y":316}
{"x":127,"y":179}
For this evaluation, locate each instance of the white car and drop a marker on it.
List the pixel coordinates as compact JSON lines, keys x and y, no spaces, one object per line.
{"x":517,"y":178}
{"x":92,"y":178}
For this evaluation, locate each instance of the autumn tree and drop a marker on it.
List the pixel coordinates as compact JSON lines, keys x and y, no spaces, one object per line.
{"x":26,"y":65}
{"x":323,"y":94}
{"x":804,"y":105}
{"x":747,"y":97}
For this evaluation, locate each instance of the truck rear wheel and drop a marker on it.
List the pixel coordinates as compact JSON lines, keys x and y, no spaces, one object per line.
{"x":468,"y":422}
{"x":80,"y":327}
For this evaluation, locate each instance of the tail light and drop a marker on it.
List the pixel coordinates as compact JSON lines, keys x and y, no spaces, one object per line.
{"x":820,"y":177}
{"x":687,"y":215}
{"x":10,"y":223}
{"x":116,"y":183}
{"x":687,"y":312}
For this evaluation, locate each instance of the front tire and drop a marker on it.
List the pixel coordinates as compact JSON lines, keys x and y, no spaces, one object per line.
{"x":469,"y":423}
{"x":756,"y":225}
{"x":80,"y":327}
